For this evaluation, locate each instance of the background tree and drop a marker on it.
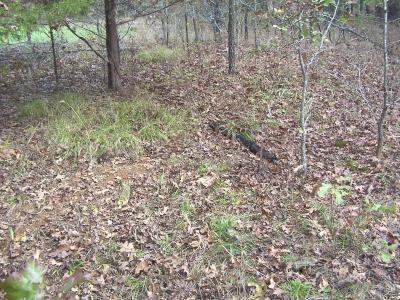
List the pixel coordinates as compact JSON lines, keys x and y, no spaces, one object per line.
{"x":231,"y":38}
{"x":112,"y":42}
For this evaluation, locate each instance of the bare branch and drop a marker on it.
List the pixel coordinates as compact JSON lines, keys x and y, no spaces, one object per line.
{"x":143,"y":14}
{"x":86,"y":42}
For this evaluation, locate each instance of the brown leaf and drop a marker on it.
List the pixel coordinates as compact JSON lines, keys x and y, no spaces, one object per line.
{"x":207,"y":181}
{"x":142,"y":267}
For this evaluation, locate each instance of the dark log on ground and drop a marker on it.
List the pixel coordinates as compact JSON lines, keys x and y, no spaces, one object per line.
{"x":249,"y":144}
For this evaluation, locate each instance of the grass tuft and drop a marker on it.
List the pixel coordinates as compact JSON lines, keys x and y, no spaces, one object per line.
{"x":159,"y":54}
{"x":34,"y":109}
{"x":82,"y":129}
{"x":137,"y":285}
{"x":297,"y":289}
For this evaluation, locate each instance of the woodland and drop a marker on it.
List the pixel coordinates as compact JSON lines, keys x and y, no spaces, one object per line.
{"x":199,"y":149}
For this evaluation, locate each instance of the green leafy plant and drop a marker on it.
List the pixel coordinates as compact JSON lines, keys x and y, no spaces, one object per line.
{"x":202,"y":168}
{"x":387,"y":208}
{"x":30,"y":283}
{"x":386,"y":251}
{"x":336,"y":191}
{"x":27,"y":285}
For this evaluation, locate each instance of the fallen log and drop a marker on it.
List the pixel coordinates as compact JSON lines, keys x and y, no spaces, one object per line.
{"x":248,"y":143}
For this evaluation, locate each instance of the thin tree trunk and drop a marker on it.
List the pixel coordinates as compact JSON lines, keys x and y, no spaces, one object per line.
{"x":246,"y":25}
{"x":217,"y":21}
{"x":186,"y":28}
{"x":53,"y":48}
{"x":112,"y":43}
{"x":196,"y":30}
{"x":167,"y":26}
{"x":231,"y":37}
{"x":29,"y":37}
{"x":385,"y":105}
{"x":303,"y":113}
{"x":164,"y":30}
{"x":362,"y":7}
{"x":255,"y":26}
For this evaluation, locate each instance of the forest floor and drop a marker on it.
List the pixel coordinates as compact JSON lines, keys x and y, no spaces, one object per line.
{"x":188,"y":213}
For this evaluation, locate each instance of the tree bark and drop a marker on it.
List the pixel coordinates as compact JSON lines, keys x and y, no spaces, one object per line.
{"x":231,"y":37}
{"x":112,"y":43}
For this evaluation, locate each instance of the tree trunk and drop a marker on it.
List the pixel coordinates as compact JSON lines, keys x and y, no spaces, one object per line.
{"x":385,"y":104}
{"x":362,"y":7}
{"x":53,"y":48}
{"x":164,"y":30}
{"x":186,"y":28}
{"x":231,"y":37}
{"x":246,"y":25}
{"x":217,"y":21}
{"x":112,"y":43}
{"x":255,"y":33}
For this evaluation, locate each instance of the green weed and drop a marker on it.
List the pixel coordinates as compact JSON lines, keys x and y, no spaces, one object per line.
{"x":386,"y":208}
{"x":20,"y":198}
{"x":386,"y":252}
{"x":354,"y":165}
{"x":335,"y":191}
{"x":75,"y":266}
{"x":341,"y":143}
{"x":202,"y":168}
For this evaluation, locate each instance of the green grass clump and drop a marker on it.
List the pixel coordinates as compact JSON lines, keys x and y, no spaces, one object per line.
{"x":86,"y":131}
{"x":160,"y":53}
{"x":34,"y":109}
{"x":221,"y":226}
{"x":224,"y":236}
{"x":137,"y":285}
{"x":297,"y":289}
{"x":83,"y":128}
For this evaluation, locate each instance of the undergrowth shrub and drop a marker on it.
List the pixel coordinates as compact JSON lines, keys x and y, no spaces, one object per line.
{"x":159,"y":53}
